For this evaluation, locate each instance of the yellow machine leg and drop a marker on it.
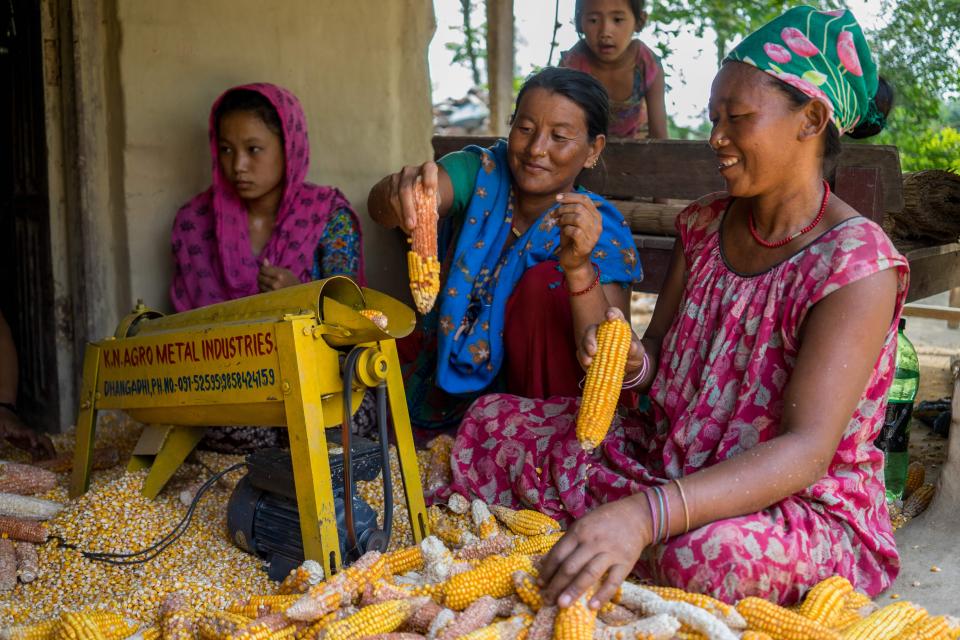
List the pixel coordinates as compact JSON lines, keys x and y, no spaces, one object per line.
{"x":308,"y":444}
{"x":86,"y":422}
{"x":406,"y":451}
{"x":179,"y":443}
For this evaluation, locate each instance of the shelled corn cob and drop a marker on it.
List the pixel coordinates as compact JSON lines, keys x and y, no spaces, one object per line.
{"x":375,"y":316}
{"x":25,"y":479}
{"x":601,"y":390}
{"x":422,"y":263}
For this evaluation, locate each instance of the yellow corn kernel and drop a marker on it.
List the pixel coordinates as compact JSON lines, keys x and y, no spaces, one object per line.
{"x":527,"y":590}
{"x":77,"y":626}
{"x":39,"y":631}
{"x":376,"y":618}
{"x":886,"y":622}
{"x":375,"y":316}
{"x":508,"y":629}
{"x":780,"y":623}
{"x":928,"y":628}
{"x":536,"y":545}
{"x":577,"y":621}
{"x":492,"y":577}
{"x":918,"y":501}
{"x":422,"y":263}
{"x":525,"y":522}
{"x":826,"y":600}
{"x":151,"y":633}
{"x":856,"y":600}
{"x":755,"y":635}
{"x":483,"y":520}
{"x":916,"y":473}
{"x":844,"y":618}
{"x":219,"y":625}
{"x":403,"y":560}
{"x":601,"y":390}
{"x":300,"y":580}
{"x":712,"y":605}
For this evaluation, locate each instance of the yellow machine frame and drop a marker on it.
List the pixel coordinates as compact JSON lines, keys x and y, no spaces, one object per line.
{"x":267,"y":360}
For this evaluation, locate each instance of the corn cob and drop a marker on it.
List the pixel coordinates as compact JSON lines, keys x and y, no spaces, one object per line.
{"x":27,"y":508}
{"x":542,"y":626}
{"x":458,"y":504}
{"x":452,"y":530}
{"x":509,"y":629}
{"x":25,"y":479}
{"x":640,"y":599}
{"x":856,"y":601}
{"x":257,"y":606}
{"x":28,"y":563}
{"x":844,"y":618}
{"x":439,"y":473}
{"x":112,"y":626}
{"x":437,"y":559}
{"x":916,"y":473}
{"x":176,"y":617}
{"x":419,"y":621}
{"x":404,"y":560}
{"x":320,"y":600}
{"x":151,"y":633}
{"x":25,"y":530}
{"x":379,"y":618}
{"x":396,"y":635}
{"x":496,"y":545}
{"x":375,"y":316}
{"x":536,"y":544}
{"x":526,"y":587}
{"x":38,"y":631}
{"x":601,"y":390}
{"x":826,"y":600}
{"x":780,"y":623}
{"x":300,"y":580}
{"x":721,"y":610}
{"x":219,"y":625}
{"x":658,"y":627}
{"x":77,"y":626}
{"x":483,"y":521}
{"x":422,"y":260}
{"x":492,"y":577}
{"x":577,"y":621}
{"x":525,"y":522}
{"x":272,"y":626}
{"x":316,"y":629}
{"x":433,"y":590}
{"x":103,"y":458}
{"x":615,"y":615}
{"x":918,"y":501}
{"x":928,"y":628}
{"x":885,"y":623}
{"x":755,"y":635}
{"x":8,"y":565}
{"x":479,"y":613}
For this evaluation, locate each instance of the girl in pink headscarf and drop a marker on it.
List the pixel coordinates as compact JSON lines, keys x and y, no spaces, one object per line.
{"x":260,"y":226}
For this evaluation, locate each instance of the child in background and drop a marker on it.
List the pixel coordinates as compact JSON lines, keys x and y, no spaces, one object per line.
{"x":629,"y":70}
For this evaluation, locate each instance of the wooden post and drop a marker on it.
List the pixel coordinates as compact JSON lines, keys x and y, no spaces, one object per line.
{"x":500,"y":63}
{"x":954,"y":301}
{"x":946,"y":502}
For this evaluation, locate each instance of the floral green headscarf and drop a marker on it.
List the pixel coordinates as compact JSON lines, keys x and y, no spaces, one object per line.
{"x":825,"y":55}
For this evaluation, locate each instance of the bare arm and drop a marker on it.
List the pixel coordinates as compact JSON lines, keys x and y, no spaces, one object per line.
{"x":842,"y":338}
{"x":656,"y":108}
{"x":390,"y":202}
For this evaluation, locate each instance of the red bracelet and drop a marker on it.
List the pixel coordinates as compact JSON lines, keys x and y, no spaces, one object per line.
{"x":595,"y":282}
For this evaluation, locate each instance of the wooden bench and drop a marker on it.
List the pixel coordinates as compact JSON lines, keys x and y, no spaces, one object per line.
{"x":866,"y":176}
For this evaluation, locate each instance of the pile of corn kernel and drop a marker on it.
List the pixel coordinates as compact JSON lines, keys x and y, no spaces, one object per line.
{"x":113,"y":516}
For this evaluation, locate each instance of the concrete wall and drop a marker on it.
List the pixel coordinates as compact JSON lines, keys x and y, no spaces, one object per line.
{"x":358,"y":66}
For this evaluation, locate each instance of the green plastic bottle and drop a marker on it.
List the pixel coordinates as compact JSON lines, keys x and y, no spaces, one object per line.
{"x":895,"y":435}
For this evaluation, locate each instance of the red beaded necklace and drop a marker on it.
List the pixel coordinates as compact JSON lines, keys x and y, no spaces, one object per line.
{"x":792,"y":237}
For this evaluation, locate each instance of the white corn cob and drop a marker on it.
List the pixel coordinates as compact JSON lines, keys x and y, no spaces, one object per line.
{"x":27,"y":507}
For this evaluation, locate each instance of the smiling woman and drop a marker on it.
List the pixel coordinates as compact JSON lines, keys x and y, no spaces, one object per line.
{"x":527,"y":255}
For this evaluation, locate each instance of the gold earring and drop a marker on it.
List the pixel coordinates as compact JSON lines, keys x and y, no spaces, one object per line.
{"x":594,"y":165}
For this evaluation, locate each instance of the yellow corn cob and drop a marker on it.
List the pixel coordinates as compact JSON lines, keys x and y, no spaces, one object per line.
{"x":929,"y":628}
{"x":885,"y":623}
{"x":422,"y":263}
{"x":433,"y":590}
{"x":844,"y":618}
{"x":918,"y":501}
{"x":79,"y":626}
{"x":535,"y":545}
{"x":508,"y":629}
{"x":378,"y":618}
{"x":27,"y":507}
{"x":39,"y":631}
{"x":300,"y":580}
{"x":601,"y":390}
{"x":25,"y":479}
{"x":527,"y":590}
{"x":375,"y":316}
{"x":916,"y":473}
{"x":856,"y":600}
{"x":403,"y":560}
{"x":491,"y":577}
{"x":826,"y":600}
{"x":483,"y":520}
{"x":26,"y":530}
{"x":755,"y":635}
{"x":8,"y":565}
{"x":525,"y":522}
{"x":780,"y":623}
{"x":316,"y":629}
{"x":256,"y":606}
{"x":480,"y":613}
{"x":577,"y":621}
{"x":497,"y":545}
{"x":151,"y":633}
{"x":714,"y":606}
{"x":273,"y":627}
{"x":686,"y":633}
{"x":176,"y":617}
{"x":219,"y":625}
{"x":451,"y":529}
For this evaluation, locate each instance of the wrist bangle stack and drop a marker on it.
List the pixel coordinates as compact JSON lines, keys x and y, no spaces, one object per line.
{"x":659,"y":503}
{"x":637,"y":379}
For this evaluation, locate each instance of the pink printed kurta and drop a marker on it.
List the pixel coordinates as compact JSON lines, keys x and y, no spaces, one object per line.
{"x":724,"y":366}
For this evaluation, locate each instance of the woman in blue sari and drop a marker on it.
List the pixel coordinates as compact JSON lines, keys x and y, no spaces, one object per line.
{"x":521,"y":274}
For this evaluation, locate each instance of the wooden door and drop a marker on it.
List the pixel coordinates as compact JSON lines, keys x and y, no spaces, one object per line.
{"x":26,"y":281}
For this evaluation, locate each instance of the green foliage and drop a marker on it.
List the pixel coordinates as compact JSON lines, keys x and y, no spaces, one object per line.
{"x":473,"y":47}
{"x":934,"y":149}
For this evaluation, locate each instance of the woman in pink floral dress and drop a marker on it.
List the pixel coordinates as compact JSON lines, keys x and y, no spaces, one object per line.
{"x":768,"y":359}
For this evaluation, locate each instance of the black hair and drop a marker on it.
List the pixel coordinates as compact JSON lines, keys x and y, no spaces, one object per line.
{"x":581,"y":88}
{"x":636,"y":7}
{"x":883,"y":101}
{"x":250,"y":102}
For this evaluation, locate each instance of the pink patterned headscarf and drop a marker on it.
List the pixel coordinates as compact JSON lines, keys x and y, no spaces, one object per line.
{"x":210,"y":240}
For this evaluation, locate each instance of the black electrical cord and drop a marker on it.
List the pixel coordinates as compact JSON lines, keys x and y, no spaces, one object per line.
{"x":151,"y":552}
{"x":346,"y":428}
